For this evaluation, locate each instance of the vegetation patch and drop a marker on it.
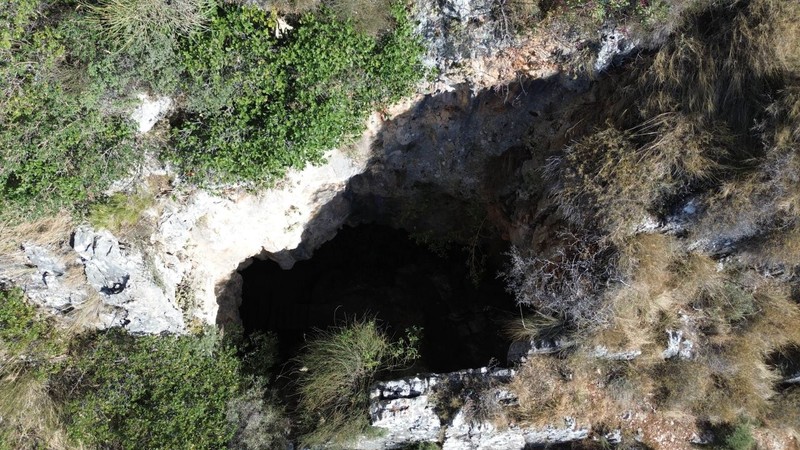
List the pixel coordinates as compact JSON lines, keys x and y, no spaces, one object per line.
{"x":336,"y":370}
{"x":262,"y":104}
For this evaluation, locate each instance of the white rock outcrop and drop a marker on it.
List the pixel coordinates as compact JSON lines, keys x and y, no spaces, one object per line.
{"x":407,"y":412}
{"x":150,"y":111}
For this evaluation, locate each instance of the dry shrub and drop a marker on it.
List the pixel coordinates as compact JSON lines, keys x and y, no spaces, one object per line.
{"x":568,"y":282}
{"x":617,"y":179}
{"x":49,"y":232}
{"x":785,"y":410}
{"x":546,"y":392}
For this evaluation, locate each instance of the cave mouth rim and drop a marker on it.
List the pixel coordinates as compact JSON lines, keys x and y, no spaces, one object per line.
{"x":490,"y":289}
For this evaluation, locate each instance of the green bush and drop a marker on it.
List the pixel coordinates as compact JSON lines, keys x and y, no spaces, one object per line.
{"x":337,"y":368}
{"x":59,"y":145}
{"x":150,"y":392}
{"x":738,"y":437}
{"x":22,"y":332}
{"x":15,"y":18}
{"x":260,"y":104}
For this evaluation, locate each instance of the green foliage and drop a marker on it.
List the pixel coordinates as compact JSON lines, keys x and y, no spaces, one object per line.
{"x":261,"y":104}
{"x":58,"y":146}
{"x":21,"y":330}
{"x":15,"y":18}
{"x":120,"y":211}
{"x":738,"y":437}
{"x":337,"y":367}
{"x":150,"y":392}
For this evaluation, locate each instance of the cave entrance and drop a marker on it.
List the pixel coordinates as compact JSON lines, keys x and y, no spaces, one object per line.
{"x":378,"y":271}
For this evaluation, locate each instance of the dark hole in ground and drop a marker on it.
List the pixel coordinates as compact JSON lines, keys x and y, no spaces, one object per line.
{"x":786,"y":361}
{"x":378,"y":271}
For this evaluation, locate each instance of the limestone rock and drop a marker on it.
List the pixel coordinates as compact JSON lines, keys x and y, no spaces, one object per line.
{"x":45,"y":285}
{"x":406,"y":410}
{"x":518,"y":351}
{"x":125,"y":281}
{"x":614,"y":45}
{"x":150,"y":111}
{"x":678,"y":346}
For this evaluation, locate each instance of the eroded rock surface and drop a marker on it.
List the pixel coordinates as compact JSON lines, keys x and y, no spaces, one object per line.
{"x":420,"y":409}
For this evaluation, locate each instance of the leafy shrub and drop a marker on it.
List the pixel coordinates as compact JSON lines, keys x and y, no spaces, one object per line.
{"x":150,"y":392}
{"x":337,"y":367}
{"x":22,"y":331}
{"x":15,"y":18}
{"x":263,"y":104}
{"x":736,"y":437}
{"x":58,"y":147}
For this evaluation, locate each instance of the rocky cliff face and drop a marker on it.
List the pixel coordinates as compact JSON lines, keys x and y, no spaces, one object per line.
{"x":423,"y":165}
{"x":447,"y":408}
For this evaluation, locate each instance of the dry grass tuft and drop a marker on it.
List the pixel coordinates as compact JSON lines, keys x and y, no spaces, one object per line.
{"x":546,"y":391}
{"x":534,"y":326}
{"x":743,"y":384}
{"x":720,"y":65}
{"x":618,"y":179}
{"x":29,"y":413}
{"x":581,"y":386}
{"x":134,"y":24}
{"x":49,"y":232}
{"x":785,"y":410}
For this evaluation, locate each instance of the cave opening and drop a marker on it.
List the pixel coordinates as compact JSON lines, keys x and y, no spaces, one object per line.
{"x":377,"y":271}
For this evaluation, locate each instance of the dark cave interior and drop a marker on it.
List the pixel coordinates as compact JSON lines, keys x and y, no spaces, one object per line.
{"x":374,"y":270}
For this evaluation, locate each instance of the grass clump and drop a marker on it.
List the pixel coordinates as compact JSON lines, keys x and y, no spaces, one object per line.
{"x":29,"y":344}
{"x":120,"y":211}
{"x":337,"y":368}
{"x":135,"y":24}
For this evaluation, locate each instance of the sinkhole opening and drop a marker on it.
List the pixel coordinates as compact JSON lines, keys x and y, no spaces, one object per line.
{"x":376,"y":271}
